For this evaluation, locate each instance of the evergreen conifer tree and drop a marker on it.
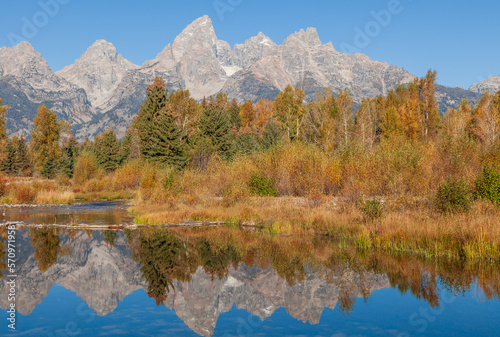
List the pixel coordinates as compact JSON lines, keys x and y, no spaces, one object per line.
{"x":271,"y":136}
{"x":168,"y":146}
{"x":156,"y":98}
{"x":8,"y":165}
{"x":22,"y":158}
{"x":234,"y":114}
{"x":107,"y":150}
{"x":246,"y":143}
{"x":69,"y":153}
{"x":49,"y":169}
{"x":215,"y":124}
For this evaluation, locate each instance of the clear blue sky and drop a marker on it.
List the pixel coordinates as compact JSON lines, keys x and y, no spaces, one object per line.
{"x":460,"y":39}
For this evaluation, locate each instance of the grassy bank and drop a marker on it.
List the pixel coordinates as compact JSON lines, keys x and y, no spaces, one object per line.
{"x":416,"y":230}
{"x":17,"y":190}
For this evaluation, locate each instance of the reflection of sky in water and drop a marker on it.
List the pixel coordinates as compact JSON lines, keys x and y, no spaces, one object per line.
{"x":386,"y":313}
{"x":105,"y":213}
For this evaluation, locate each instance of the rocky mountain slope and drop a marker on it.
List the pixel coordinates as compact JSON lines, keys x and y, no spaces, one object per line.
{"x":26,"y":81}
{"x":98,"y":71}
{"x":491,"y":84}
{"x":102,"y":89}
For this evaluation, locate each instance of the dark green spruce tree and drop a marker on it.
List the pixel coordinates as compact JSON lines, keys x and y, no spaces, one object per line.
{"x":23,"y":158}
{"x":246,"y":143}
{"x":17,"y":161}
{"x":168,"y":146}
{"x":156,"y":99}
{"x":234,"y":114}
{"x":49,"y":169}
{"x":67,"y":160}
{"x":215,"y":124}
{"x":271,"y":136}
{"x":107,"y":150}
{"x":9,"y":164}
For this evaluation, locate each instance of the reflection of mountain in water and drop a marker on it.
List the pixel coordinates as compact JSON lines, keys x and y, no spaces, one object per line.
{"x":99,"y":275}
{"x":260,"y":291}
{"x":103,"y":274}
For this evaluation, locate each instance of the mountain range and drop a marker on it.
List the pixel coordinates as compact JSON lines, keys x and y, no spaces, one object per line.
{"x":102,"y":89}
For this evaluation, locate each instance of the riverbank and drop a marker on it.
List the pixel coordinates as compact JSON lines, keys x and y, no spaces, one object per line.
{"x":411,"y":225}
{"x":410,"y":228}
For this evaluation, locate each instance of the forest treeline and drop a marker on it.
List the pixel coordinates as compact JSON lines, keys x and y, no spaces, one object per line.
{"x":393,"y":145}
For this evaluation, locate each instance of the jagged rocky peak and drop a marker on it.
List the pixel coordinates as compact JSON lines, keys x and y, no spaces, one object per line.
{"x":98,"y":71}
{"x":263,"y":39}
{"x":252,"y":50}
{"x":201,"y":58}
{"x":309,"y":37}
{"x":491,"y":84}
{"x":200,"y":33}
{"x":101,"y":53}
{"x":102,"y":50}
{"x":23,"y":60}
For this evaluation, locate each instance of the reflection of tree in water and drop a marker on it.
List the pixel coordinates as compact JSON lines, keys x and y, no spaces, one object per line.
{"x":47,"y":247}
{"x":216,"y":261}
{"x":346,"y":302}
{"x":158,"y":254}
{"x":109,"y":237}
{"x":288,"y":257}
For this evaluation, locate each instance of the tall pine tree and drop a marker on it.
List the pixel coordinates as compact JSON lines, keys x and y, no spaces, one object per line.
{"x":107,"y":150}
{"x":156,"y":99}
{"x":69,"y":154}
{"x":168,"y":146}
{"x":160,"y":126}
{"x":23,"y":158}
{"x":215,"y":125}
{"x":9,"y":162}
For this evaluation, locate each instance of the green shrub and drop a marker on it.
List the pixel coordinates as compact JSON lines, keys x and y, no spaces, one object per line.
{"x":488,"y":185}
{"x":168,"y":181}
{"x":453,"y":196}
{"x":372,"y":209}
{"x":262,"y":186}
{"x":49,"y":169}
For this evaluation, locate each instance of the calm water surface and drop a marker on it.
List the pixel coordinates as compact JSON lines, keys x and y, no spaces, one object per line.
{"x":226,"y":282}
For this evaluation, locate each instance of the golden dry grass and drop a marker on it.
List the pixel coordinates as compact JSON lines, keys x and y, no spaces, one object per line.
{"x":54,"y":197}
{"x":414,"y":230}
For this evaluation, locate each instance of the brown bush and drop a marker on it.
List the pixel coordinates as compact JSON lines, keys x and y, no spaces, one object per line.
{"x":3,"y":184}
{"x":128,"y":176}
{"x":86,"y":168}
{"x":25,"y":194}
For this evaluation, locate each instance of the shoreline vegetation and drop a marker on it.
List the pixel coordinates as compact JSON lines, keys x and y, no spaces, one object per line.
{"x":390,"y":174}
